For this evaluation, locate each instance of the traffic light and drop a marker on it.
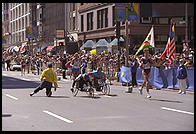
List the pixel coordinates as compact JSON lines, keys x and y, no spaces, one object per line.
{"x":117,"y":30}
{"x":60,"y":43}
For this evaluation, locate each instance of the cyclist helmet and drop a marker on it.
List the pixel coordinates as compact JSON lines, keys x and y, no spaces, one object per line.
{"x":99,"y":69}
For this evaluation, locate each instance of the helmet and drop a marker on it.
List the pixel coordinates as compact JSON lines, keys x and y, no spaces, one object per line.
{"x":99,"y":69}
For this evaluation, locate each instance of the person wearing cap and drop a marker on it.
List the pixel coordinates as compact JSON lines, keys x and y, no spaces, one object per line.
{"x":48,"y":77}
{"x":182,"y":76}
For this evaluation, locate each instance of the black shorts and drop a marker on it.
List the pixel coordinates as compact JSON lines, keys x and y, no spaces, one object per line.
{"x":146,"y":71}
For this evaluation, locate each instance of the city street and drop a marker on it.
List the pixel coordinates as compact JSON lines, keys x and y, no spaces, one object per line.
{"x":120,"y":111}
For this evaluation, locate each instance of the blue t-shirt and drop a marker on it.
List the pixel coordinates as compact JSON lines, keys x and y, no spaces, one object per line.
{"x":99,"y":76}
{"x":181,"y":72}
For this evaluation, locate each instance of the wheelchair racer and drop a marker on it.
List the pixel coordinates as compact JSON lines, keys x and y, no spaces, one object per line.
{"x":82,"y":79}
{"x":97,"y":74}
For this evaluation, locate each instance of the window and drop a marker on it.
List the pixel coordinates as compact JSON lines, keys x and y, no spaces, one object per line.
{"x":90,"y":21}
{"x":74,"y":23}
{"x":74,"y":6}
{"x":102,"y":18}
{"x":146,"y":19}
{"x":113,"y":16}
{"x":82,"y":23}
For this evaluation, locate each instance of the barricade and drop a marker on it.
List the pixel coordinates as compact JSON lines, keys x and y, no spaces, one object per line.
{"x":159,"y":78}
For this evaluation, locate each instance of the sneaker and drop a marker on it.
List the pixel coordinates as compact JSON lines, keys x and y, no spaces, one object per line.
{"x":140,"y":90}
{"x":183,"y":93}
{"x":49,"y":94}
{"x":148,"y":96}
{"x":72,"y":89}
{"x":31,"y":94}
{"x":180,"y":91}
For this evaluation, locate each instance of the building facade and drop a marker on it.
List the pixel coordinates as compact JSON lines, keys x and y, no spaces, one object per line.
{"x":19,"y":19}
{"x":97,"y":20}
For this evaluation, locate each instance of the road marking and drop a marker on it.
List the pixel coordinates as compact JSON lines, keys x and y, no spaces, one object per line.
{"x":177,"y":110}
{"x":11,"y":97}
{"x":57,"y":116}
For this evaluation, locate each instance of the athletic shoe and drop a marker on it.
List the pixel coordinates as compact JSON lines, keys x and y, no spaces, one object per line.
{"x":49,"y":94}
{"x":72,"y":89}
{"x":140,"y":90}
{"x":31,"y":94}
{"x":148,"y":96}
{"x":183,"y":93}
{"x":180,"y":91}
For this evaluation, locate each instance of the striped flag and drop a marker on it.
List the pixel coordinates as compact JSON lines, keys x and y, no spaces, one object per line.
{"x":148,"y":42}
{"x":170,"y":47}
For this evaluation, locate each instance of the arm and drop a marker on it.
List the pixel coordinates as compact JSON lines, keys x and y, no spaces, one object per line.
{"x":55,"y":80}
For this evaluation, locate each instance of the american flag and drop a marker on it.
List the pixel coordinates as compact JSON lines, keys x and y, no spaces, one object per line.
{"x":170,"y":47}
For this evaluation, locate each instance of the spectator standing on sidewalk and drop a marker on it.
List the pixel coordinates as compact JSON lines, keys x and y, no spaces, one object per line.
{"x":63,"y":62}
{"x":37,"y":63}
{"x":182,"y":76}
{"x":22,"y":63}
{"x":28,"y":62}
{"x":48,"y":77}
{"x":134,"y":66}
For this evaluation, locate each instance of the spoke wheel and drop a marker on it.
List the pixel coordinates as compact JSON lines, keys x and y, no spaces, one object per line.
{"x":91,"y":92}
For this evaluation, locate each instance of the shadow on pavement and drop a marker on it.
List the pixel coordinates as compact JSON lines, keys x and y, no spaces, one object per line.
{"x":15,"y":83}
{"x":95,"y":97}
{"x":165,"y":100}
{"x":52,"y":96}
{"x":6,"y":115}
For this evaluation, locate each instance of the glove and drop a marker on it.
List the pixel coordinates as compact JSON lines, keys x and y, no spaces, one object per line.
{"x":54,"y":89}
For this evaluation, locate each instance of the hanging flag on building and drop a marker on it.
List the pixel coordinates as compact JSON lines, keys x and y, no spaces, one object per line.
{"x":4,"y":39}
{"x":29,"y":32}
{"x":120,"y":11}
{"x":148,"y":42}
{"x":132,"y":11}
{"x":170,"y":47}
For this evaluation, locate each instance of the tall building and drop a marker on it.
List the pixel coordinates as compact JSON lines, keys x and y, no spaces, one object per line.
{"x":19,"y":18}
{"x":5,"y":24}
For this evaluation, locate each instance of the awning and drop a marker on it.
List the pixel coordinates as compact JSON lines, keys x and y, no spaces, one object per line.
{"x":4,"y":52}
{"x":22,"y":48}
{"x":16,"y":48}
{"x":102,"y":43}
{"x":88,"y":44}
{"x":115,"y":42}
{"x":49,"y":48}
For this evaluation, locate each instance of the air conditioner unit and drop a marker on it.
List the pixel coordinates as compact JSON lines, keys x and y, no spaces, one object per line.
{"x":146,"y":19}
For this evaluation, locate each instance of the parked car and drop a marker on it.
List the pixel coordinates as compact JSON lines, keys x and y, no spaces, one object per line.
{"x":14,"y":66}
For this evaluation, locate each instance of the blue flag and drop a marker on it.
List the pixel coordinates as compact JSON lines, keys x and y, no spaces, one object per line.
{"x":125,"y":74}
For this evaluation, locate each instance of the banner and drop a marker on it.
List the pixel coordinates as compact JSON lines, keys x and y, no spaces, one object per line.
{"x":125,"y":74}
{"x":120,"y":12}
{"x":132,"y":11}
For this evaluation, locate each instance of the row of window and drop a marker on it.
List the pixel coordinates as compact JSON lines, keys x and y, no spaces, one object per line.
{"x":102,"y":20}
{"x":19,"y":24}
{"x":19,"y":11}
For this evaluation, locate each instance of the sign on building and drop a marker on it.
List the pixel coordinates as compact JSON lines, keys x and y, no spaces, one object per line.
{"x":60,"y":33}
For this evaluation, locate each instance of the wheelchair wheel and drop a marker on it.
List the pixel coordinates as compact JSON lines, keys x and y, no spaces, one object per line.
{"x":106,"y":89}
{"x":91,"y":92}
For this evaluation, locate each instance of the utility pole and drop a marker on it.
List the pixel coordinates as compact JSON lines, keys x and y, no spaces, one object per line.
{"x":127,"y":42}
{"x":118,"y":42}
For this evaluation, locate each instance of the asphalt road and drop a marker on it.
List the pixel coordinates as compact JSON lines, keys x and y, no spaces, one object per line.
{"x":120,"y":111}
